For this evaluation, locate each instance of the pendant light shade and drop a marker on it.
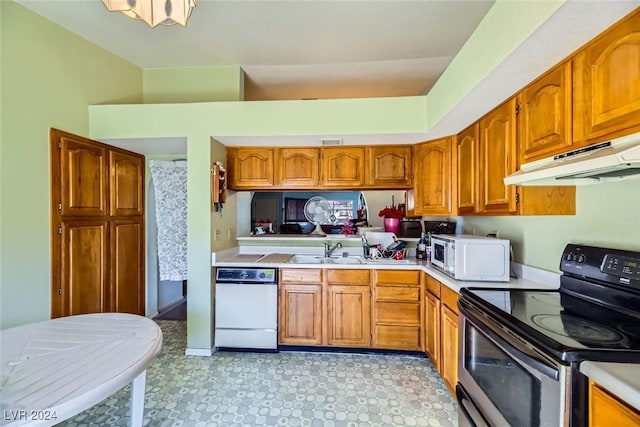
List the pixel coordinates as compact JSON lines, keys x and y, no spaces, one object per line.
{"x":154,"y":12}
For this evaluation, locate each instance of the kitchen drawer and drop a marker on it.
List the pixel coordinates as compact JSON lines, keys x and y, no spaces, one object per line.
{"x":397,"y":293}
{"x":348,"y":277}
{"x":398,"y":276}
{"x":301,"y":275}
{"x":449,"y":298}
{"x":433,"y":285}
{"x":405,"y":338}
{"x":403,"y":313}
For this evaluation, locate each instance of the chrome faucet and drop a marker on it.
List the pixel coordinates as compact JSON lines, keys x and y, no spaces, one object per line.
{"x":328,"y":249}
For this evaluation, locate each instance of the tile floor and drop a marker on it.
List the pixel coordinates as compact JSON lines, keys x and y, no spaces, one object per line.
{"x":280,"y":389}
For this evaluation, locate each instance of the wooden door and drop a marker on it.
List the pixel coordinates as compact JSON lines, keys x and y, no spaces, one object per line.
{"x":544,"y":115}
{"x":432,"y":329}
{"x":250,"y":168}
{"x":390,"y":166}
{"x":467,"y":155}
{"x":127,"y":266}
{"x":84,"y":267}
{"x":432,"y":186}
{"x":498,"y":159}
{"x":343,"y":167}
{"x":349,"y":316}
{"x":97,"y":224}
{"x":126,"y":183}
{"x":298,"y":167}
{"x":449,"y":360}
{"x":300,"y":314}
{"x":607,"y":84}
{"x":82,"y":176}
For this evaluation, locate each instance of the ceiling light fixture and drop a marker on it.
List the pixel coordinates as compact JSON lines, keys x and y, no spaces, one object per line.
{"x":154,"y":12}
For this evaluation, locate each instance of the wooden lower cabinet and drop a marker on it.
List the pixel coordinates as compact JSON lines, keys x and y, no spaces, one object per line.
{"x":300,"y":307}
{"x":397,"y":311}
{"x":441,"y":330}
{"x":348,"y":315}
{"x":606,"y":410}
{"x":449,"y":359}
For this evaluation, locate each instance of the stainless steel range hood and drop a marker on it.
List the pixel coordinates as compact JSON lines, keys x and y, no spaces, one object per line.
{"x":604,"y":162}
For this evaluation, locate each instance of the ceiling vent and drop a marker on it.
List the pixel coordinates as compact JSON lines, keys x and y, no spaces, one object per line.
{"x":332,"y":142}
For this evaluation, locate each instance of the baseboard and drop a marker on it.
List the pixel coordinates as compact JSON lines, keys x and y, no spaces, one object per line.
{"x":199,"y":352}
{"x":170,"y":306}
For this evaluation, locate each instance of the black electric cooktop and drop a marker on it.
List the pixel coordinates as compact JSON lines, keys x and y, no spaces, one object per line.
{"x":595,"y":315}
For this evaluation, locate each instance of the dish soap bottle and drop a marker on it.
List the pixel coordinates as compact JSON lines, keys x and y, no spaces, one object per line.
{"x":421,"y":251}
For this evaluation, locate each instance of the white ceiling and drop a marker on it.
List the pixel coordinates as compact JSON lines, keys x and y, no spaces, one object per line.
{"x":291,"y":49}
{"x":295,"y":49}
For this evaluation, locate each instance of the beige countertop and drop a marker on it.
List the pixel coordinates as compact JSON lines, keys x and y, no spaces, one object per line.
{"x":528,"y":278}
{"x":621,"y":379}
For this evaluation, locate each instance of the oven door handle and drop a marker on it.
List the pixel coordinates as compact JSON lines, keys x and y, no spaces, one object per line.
{"x":469,"y":410}
{"x":515,"y":345}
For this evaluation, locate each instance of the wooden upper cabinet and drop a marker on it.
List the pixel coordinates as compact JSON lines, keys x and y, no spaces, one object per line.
{"x":544,"y":120}
{"x":298,"y":167}
{"x":343,"y":167}
{"x":467,"y":156}
{"x":607,"y":84}
{"x":433,"y":178}
{"x":126,"y":184}
{"x":498,"y":159}
{"x":250,"y":167}
{"x":389,"y":166}
{"x":84,"y":177}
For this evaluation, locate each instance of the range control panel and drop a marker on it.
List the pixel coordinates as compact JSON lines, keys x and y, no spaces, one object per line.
{"x":607,"y":265}
{"x":621,"y":266}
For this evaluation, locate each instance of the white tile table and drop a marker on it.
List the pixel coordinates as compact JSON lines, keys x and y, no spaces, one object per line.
{"x":54,"y":369}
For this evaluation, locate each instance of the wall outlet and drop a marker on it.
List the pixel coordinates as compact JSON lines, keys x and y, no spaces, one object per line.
{"x":229,"y":233}
{"x":217,"y":234}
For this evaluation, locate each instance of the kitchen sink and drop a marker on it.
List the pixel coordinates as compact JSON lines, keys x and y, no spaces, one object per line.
{"x":317,"y":259}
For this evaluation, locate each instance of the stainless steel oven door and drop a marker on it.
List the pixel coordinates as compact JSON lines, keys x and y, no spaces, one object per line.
{"x":507,"y":380}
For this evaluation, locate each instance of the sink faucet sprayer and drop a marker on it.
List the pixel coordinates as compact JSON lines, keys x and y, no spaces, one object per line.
{"x":328,"y":249}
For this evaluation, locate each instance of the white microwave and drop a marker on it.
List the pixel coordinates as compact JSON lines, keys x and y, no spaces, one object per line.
{"x":476,"y":258}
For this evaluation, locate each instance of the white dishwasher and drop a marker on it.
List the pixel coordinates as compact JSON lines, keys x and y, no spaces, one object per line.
{"x":246,"y":308}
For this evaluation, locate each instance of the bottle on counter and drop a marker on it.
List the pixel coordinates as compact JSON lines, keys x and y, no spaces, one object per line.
{"x":421,"y":250}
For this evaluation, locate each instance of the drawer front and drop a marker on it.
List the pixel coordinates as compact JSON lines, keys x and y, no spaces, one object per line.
{"x":301,"y":275}
{"x":397,"y":293}
{"x":397,"y":337}
{"x":398,"y":276}
{"x":397,"y":313}
{"x":449,"y":298}
{"x":348,"y":277}
{"x":433,"y":285}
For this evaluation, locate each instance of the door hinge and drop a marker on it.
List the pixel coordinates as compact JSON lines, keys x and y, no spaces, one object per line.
{"x":517,"y":108}
{"x":517,"y":197}
{"x":59,"y":206}
{"x":59,"y":144}
{"x":59,"y":291}
{"x":60,"y":231}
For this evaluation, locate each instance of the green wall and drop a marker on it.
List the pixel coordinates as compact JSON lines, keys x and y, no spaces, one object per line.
{"x":194,"y":84}
{"x":49,"y":77}
{"x":606,"y":215}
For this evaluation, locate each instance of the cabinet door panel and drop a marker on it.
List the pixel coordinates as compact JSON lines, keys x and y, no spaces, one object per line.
{"x":343,"y":166}
{"x":349,"y":316}
{"x":251,"y":167}
{"x":498,"y":159}
{"x":449,"y":359}
{"x":467,"y":153}
{"x":127,"y":267}
{"x":84,"y":184}
{"x":607,"y":410}
{"x":389,"y":166}
{"x":127,"y":184}
{"x":300,"y":314}
{"x":298,"y":167}
{"x":607,"y":82}
{"x":406,"y":338}
{"x":84,"y":266}
{"x":432,"y":329}
{"x":545,"y":115}
{"x":432,"y":186}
